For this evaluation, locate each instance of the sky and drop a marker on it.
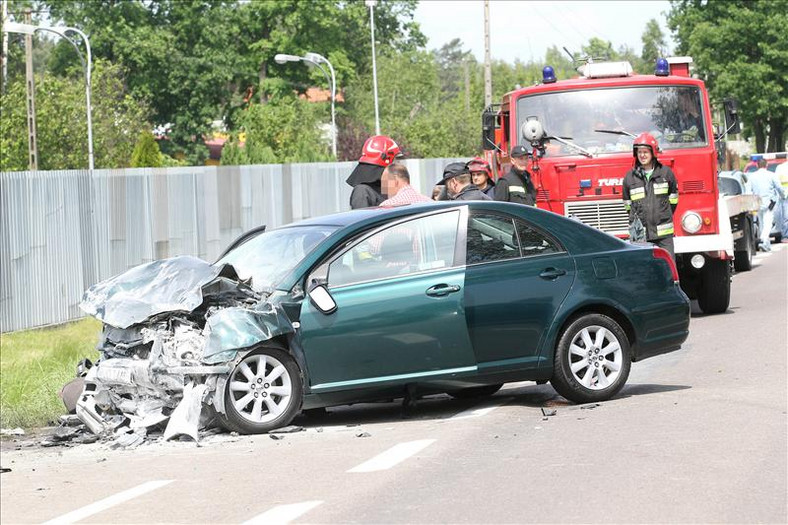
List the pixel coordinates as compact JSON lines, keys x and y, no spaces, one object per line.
{"x":525,"y":29}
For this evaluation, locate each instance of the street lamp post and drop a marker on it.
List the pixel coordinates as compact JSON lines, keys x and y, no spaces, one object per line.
{"x":28,"y":29}
{"x":371,"y":4}
{"x":316,"y":59}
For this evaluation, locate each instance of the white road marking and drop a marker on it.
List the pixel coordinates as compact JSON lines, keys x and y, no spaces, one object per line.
{"x":478,"y":412}
{"x":393,"y":456}
{"x":106,"y":503}
{"x":283,"y":513}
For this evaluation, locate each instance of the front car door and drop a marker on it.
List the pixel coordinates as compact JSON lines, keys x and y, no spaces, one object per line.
{"x":399,"y":316}
{"x":516,"y":279}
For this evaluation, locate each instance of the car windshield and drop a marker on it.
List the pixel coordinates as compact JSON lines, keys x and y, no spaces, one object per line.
{"x":729,"y":186}
{"x":605,"y":120}
{"x":269,"y":256}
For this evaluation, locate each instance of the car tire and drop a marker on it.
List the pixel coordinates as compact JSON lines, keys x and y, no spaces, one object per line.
{"x":592,"y":359}
{"x":475,"y":391}
{"x":742,"y":260}
{"x":264,"y":391}
{"x":714,"y":294}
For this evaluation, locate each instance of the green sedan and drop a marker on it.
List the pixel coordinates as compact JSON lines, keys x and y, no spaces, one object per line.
{"x":384,"y":303}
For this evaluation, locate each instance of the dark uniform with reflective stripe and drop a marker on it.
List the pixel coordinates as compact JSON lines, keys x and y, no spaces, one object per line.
{"x":653,"y":201}
{"x":516,"y":186}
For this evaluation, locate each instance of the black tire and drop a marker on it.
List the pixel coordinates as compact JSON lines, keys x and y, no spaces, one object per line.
{"x":284,"y":392}
{"x":742,"y":261}
{"x":573,"y":352}
{"x":714,"y":293}
{"x":475,"y":391}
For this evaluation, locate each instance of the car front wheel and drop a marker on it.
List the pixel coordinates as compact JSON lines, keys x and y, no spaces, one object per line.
{"x":264,"y":392}
{"x":592,"y":359}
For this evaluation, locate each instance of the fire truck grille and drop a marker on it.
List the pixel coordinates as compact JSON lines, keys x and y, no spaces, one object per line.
{"x":608,"y":216}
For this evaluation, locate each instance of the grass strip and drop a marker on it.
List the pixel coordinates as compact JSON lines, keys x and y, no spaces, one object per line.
{"x":34,"y":366}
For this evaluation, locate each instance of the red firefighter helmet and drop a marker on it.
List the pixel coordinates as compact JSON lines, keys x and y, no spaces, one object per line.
{"x":479,"y":164}
{"x":647,"y":140}
{"x":379,"y":150}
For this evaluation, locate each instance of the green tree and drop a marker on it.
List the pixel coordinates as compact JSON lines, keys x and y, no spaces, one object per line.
{"x":62,"y":121}
{"x":196,"y":60}
{"x":740,"y":49}
{"x":232,"y":153}
{"x":654,"y":43}
{"x":146,"y":153}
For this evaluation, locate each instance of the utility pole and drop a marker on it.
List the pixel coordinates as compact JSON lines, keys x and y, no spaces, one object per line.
{"x":487,"y":70}
{"x":31,"y":96}
{"x":5,"y":45}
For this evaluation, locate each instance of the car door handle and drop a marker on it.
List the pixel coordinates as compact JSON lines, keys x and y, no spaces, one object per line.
{"x":552,"y":273}
{"x":441,"y":290}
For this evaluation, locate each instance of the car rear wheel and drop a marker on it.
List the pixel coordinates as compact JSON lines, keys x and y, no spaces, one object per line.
{"x":475,"y":391}
{"x":592,"y":359}
{"x":264,"y":392}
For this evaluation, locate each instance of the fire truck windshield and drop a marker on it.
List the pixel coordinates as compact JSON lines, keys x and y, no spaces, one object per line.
{"x":605,"y":120}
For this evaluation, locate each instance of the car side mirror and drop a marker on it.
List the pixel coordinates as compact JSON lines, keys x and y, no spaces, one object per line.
{"x":322,"y":300}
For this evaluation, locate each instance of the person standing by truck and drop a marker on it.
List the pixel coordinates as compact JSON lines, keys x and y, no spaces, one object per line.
{"x":767,"y":186}
{"x":651,"y":194}
{"x":516,"y":185}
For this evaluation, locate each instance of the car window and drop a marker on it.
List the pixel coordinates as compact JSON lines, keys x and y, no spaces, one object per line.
{"x":533,"y":242}
{"x":419,"y":245}
{"x":729,"y":186}
{"x":490,"y":238}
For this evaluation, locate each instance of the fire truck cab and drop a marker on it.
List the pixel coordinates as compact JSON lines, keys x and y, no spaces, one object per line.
{"x":580,"y":132}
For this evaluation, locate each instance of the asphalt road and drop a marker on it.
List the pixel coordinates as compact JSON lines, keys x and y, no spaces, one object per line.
{"x":699,"y":435}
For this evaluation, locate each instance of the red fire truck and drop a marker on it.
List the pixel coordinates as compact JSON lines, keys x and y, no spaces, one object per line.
{"x":580,"y":134}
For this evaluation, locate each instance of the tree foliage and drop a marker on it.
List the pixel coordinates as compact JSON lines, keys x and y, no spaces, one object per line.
{"x":741,"y":49}
{"x":146,"y":153}
{"x":61,"y":117}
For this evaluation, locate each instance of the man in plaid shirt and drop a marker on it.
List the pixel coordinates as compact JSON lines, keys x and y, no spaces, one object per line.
{"x":395,"y":183}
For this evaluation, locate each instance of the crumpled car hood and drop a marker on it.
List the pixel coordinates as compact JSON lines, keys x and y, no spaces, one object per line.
{"x":168,"y":285}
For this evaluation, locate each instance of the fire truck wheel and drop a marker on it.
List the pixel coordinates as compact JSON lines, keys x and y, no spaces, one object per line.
{"x":714,"y":293}
{"x":592,"y":359}
{"x":742,"y":261}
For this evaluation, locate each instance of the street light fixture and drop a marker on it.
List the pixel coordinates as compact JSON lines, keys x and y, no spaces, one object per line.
{"x":371,"y":4}
{"x":316,"y":59}
{"x":29,"y":29}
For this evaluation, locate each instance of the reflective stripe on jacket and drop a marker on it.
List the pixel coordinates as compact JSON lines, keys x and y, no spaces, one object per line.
{"x":516,"y":187}
{"x":653,"y":200}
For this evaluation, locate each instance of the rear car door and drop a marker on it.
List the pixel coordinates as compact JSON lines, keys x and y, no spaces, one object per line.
{"x":516,"y":278}
{"x":399,"y":316}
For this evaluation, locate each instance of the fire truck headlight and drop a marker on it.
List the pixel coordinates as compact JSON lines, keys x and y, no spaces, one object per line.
{"x":697,"y":261}
{"x":691,"y":222}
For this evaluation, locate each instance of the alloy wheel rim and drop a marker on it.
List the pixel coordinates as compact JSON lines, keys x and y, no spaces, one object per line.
{"x":595,"y":357}
{"x":260,"y":388}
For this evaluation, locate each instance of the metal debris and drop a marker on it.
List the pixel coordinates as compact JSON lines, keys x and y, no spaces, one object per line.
{"x":12,"y":432}
{"x":275,"y":437}
{"x":363,"y":435}
{"x":172,"y":332}
{"x":287,"y":430}
{"x":548,"y":412}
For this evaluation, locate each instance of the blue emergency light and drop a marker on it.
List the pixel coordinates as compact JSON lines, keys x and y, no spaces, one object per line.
{"x":663,"y":68}
{"x":548,"y":75}
{"x":585,"y":183}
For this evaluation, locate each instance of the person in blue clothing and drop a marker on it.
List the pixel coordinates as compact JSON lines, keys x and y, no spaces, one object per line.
{"x":766,"y":185}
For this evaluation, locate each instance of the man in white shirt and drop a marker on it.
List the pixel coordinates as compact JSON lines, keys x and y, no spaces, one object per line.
{"x":766,"y":185}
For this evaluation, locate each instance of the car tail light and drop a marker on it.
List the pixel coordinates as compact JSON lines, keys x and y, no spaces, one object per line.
{"x":661,"y":253}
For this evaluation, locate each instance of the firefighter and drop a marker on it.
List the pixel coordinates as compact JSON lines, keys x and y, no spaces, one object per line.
{"x":650,"y":195}
{"x":481,"y":176}
{"x":516,"y":185}
{"x":457,"y":179}
{"x":379,"y":151}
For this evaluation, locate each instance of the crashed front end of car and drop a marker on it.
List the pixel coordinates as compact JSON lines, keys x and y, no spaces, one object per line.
{"x":173,"y":330}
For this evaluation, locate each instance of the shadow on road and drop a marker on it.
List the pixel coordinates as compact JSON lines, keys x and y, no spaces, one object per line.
{"x":639,"y":390}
